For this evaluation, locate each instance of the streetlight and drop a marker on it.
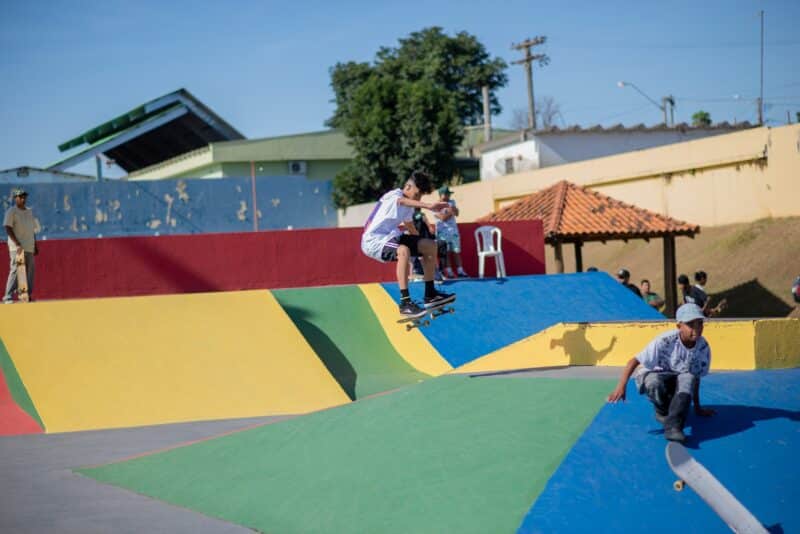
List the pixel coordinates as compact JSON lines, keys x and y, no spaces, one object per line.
{"x":664,"y":102}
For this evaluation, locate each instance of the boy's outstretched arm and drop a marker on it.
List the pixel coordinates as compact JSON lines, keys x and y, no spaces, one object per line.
{"x":699,"y":410}
{"x":619,"y":392}
{"x":433,"y":206}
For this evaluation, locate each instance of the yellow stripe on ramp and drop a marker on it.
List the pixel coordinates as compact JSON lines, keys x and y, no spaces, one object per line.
{"x":91,"y":364}
{"x":411,"y":345}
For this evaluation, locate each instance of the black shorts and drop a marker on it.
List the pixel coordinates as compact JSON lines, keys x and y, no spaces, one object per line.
{"x":389,"y":252}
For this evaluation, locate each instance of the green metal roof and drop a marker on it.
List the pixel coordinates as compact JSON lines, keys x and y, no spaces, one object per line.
{"x":153,"y":132}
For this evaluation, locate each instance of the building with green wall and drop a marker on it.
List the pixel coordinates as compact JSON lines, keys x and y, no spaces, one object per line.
{"x":315,"y":155}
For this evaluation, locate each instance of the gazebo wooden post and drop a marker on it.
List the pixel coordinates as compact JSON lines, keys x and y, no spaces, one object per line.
{"x":559,"y":257}
{"x":578,"y":257}
{"x":670,"y":277}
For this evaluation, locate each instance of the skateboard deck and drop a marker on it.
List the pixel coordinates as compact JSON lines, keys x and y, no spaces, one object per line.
{"x":22,"y":279}
{"x":711,"y":490}
{"x":429,"y":315}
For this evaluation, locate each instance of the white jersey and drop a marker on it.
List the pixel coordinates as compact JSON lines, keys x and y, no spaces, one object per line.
{"x":383,"y":223}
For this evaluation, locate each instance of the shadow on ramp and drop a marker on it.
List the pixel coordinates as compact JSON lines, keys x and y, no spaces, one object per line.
{"x":333,"y":358}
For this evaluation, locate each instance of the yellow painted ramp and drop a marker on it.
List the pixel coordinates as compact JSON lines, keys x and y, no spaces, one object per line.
{"x":90,"y":364}
{"x":741,"y":344}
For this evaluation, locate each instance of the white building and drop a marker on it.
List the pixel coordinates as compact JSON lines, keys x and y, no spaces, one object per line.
{"x":546,"y":148}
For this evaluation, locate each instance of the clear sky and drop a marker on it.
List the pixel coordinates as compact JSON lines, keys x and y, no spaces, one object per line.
{"x":263,"y":66}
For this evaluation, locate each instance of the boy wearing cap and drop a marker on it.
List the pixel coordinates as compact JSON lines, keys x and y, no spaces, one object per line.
{"x":390,"y":236}
{"x":669,"y":370}
{"x":447,"y":232}
{"x":20,"y":224}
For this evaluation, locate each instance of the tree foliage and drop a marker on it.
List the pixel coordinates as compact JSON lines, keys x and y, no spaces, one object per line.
{"x":701,"y":119}
{"x":407,"y":109}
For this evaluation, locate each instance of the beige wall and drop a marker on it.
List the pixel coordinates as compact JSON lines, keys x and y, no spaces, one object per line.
{"x":733,"y":178}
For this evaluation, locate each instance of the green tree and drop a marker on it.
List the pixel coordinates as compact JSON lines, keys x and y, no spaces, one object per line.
{"x":407,"y":109}
{"x":396,"y":127}
{"x":701,"y":119}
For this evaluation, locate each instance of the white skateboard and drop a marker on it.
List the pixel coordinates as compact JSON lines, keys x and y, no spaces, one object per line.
{"x":717,"y":496}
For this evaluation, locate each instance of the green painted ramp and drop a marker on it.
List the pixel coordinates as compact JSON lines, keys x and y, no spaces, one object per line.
{"x":452,"y":454}
{"x":340,"y":326}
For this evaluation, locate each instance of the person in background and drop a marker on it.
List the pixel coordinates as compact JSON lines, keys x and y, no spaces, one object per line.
{"x":653,"y":299}
{"x":624,"y":277}
{"x":447,"y":232}
{"x":20,"y":226}
{"x":690,"y":293}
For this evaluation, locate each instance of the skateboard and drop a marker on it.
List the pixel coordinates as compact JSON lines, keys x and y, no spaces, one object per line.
{"x":717,"y":496}
{"x":22,"y":279}
{"x":430,"y":315}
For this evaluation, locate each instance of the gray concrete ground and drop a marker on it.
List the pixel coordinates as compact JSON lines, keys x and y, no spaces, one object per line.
{"x":583,"y":371}
{"x":39,"y":493}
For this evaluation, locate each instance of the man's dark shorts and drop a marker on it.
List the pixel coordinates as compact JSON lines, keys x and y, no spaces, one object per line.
{"x":389,"y":252}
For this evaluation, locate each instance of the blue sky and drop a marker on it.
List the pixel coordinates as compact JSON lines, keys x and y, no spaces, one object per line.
{"x":263,"y":66}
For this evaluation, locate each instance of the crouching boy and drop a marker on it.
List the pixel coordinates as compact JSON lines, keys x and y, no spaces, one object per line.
{"x":669,"y":370}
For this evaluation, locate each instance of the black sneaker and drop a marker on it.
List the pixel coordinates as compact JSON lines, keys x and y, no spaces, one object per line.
{"x":410,"y":308}
{"x":674,"y":434}
{"x":439,"y":299}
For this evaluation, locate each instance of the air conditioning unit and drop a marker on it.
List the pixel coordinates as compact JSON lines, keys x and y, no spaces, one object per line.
{"x":297,"y":167}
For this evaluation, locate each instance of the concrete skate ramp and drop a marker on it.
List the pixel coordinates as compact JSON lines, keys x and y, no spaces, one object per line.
{"x":451,"y":454}
{"x":17,"y":413}
{"x":110,"y":363}
{"x":340,"y":325}
{"x":616,"y":474}
{"x":493,"y":313}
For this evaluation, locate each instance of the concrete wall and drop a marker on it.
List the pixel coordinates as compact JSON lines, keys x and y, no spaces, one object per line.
{"x":725,"y":179}
{"x":127,"y":266}
{"x":548,"y":149}
{"x":122,"y":208}
{"x":27,"y":175}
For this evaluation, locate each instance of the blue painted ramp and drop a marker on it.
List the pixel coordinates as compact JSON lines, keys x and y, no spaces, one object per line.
{"x":616,"y":478}
{"x":493,"y":313}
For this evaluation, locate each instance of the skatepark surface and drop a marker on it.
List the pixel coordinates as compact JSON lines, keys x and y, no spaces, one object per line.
{"x":312,"y":410}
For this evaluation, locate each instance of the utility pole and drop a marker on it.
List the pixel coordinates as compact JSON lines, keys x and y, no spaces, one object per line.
{"x":761,"y":92}
{"x":527,"y":61}
{"x":487,"y":115}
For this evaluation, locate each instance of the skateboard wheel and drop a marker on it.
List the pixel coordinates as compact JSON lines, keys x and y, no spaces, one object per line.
{"x":678,"y":485}
{"x":427,"y":323}
{"x":408,"y":327}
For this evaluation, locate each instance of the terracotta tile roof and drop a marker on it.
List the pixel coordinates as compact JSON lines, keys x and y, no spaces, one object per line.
{"x":571,"y":213}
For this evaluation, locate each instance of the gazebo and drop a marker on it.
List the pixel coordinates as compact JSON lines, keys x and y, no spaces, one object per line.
{"x":576,"y":215}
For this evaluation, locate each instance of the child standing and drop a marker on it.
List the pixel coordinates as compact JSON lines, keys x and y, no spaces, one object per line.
{"x":390,"y":236}
{"x":447,"y":232}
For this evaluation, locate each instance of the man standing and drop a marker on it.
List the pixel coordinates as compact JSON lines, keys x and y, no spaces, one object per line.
{"x":624,"y":277}
{"x":19,"y":224}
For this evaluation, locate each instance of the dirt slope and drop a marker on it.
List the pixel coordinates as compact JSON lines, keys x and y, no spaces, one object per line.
{"x":752,"y":265}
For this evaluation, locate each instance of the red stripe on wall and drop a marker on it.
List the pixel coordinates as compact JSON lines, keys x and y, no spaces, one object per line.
{"x":126,"y":266}
{"x":14,"y":421}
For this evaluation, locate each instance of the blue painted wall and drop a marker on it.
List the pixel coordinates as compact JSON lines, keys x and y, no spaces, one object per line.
{"x":616,"y":477}
{"x":182,"y":206}
{"x":492,"y":313}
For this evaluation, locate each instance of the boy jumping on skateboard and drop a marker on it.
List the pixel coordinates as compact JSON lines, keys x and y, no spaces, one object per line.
{"x":390,"y":236}
{"x":671,"y":367}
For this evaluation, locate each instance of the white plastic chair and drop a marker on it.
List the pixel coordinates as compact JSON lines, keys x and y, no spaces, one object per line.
{"x":485,"y":239}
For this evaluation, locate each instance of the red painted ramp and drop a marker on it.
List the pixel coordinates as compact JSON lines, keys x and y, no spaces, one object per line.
{"x":13,"y":419}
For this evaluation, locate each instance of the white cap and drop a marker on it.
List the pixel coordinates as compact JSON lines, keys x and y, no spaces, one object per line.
{"x":689,"y":312}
